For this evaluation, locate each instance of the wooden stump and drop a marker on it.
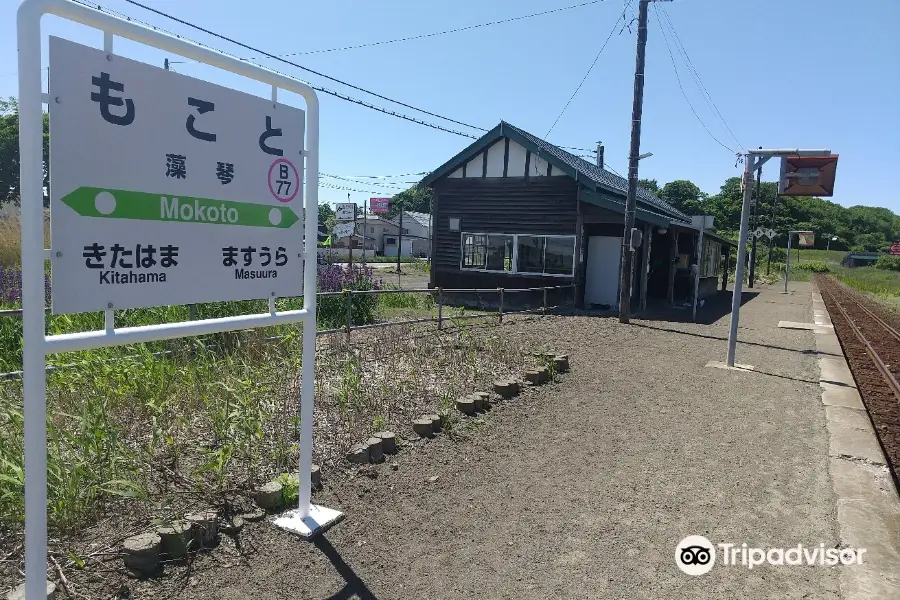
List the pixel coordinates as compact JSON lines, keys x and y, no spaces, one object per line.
{"x":205,"y":527}
{"x":315,"y":476}
{"x":561,"y":363}
{"x":268,"y":496}
{"x":543,"y":375}
{"x":506,"y":388}
{"x":388,"y":441}
{"x":423,"y":427}
{"x":435,"y":422}
{"x":485,"y":399}
{"x":376,"y":449}
{"x":533,"y":376}
{"x":140,"y":553}
{"x":176,"y":539}
{"x":359,"y":454}
{"x":18,"y":593}
{"x":466,"y":405}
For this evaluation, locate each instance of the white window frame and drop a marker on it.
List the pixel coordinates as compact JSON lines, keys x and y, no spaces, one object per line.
{"x":515,"y":256}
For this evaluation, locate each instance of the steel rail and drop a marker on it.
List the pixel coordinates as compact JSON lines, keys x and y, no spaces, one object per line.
{"x":879,"y":364}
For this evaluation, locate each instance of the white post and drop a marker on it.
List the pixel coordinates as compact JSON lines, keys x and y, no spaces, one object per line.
{"x":699,"y":262}
{"x":787,"y":266}
{"x":749,"y":161}
{"x":308,"y":374}
{"x":33,"y":320}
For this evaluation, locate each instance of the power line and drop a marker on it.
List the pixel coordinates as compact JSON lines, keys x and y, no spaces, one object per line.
{"x":350,"y":189}
{"x":445,"y":32}
{"x":681,"y":87}
{"x":301,"y":67}
{"x":389,"y":176}
{"x":330,"y":92}
{"x":591,"y":68}
{"x":679,"y":45}
{"x":377,"y":184}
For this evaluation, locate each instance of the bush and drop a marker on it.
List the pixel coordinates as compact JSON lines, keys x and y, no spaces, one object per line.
{"x":331,"y":311}
{"x":813,"y":267}
{"x":888,"y":262}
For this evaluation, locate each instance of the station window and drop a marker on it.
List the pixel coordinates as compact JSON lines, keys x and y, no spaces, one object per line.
{"x":513,"y":253}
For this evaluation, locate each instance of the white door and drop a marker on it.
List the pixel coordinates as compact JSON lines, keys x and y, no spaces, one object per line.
{"x":602,"y":278}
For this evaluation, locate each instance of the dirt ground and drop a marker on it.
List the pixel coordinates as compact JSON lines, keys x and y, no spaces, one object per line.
{"x":580,"y":489}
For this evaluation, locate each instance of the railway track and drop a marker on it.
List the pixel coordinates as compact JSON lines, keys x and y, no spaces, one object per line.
{"x":872,"y":345}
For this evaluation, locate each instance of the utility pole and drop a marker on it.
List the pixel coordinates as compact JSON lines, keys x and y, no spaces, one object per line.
{"x":752,"y":276}
{"x":600,"y":151}
{"x":400,"y":238}
{"x":631,"y":199}
{"x":350,"y":239}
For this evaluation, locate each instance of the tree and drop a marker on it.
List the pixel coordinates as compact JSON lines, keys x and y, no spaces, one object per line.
{"x":416,"y":199}
{"x":651,"y":185}
{"x":9,"y":153}
{"x":683,"y":195}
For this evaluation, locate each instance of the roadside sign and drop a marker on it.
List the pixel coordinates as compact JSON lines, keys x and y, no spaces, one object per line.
{"x":759,"y":232}
{"x":166,"y":189}
{"x":345,"y":211}
{"x":895,"y":248}
{"x":808,"y":175}
{"x":379,"y":205}
{"x":807,"y":238}
{"x":343,"y":230}
{"x":771,"y":233}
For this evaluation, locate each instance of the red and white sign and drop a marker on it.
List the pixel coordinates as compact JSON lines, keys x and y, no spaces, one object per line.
{"x":379,"y":205}
{"x":807,"y":238}
{"x":895,"y":248}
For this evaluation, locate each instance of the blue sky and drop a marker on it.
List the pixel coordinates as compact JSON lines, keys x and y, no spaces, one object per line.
{"x":797,"y":73}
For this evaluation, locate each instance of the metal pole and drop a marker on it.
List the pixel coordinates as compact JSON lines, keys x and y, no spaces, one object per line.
{"x":772,"y":240}
{"x":350,"y":239}
{"x":348,"y":303}
{"x":33,"y":318}
{"x":631,"y":198}
{"x":741,"y":257}
{"x":440,"y":292}
{"x":365,"y":230}
{"x":752,"y":277}
{"x":699,"y":261}
{"x":501,"y":304}
{"x":787,"y":267}
{"x":544,"y":305}
{"x":400,"y":240}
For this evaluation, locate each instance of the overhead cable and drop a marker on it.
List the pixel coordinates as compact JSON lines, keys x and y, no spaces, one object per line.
{"x":683,"y":93}
{"x":445,"y":32}
{"x":591,"y":68}
{"x":299,"y":66}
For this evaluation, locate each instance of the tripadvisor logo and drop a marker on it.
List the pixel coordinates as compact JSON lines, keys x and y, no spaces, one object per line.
{"x":696,"y":555}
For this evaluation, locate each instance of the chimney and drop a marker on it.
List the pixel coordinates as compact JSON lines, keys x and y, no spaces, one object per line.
{"x":600,"y":154}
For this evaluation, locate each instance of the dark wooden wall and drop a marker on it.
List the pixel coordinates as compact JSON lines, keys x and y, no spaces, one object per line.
{"x":539,"y":205}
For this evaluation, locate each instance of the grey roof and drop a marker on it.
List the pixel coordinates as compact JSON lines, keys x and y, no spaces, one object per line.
{"x":595,"y":173}
{"x":422,"y":218}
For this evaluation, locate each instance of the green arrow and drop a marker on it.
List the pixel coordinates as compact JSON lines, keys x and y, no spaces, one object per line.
{"x":142,"y":206}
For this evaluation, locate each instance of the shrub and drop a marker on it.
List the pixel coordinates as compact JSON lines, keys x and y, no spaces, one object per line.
{"x":814,"y":266}
{"x":888,"y":262}
{"x":331,"y":311}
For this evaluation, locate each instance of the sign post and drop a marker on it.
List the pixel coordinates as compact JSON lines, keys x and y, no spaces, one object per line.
{"x":753,"y":160}
{"x":346,"y":211}
{"x":165,"y":190}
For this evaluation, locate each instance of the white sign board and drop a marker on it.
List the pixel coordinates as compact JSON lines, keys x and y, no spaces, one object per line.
{"x":343,"y":230}
{"x":759,"y":232}
{"x":166,"y":189}
{"x":770,"y":233}
{"x":345,"y":211}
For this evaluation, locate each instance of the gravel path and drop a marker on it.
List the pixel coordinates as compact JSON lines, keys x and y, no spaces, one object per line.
{"x":583,"y":489}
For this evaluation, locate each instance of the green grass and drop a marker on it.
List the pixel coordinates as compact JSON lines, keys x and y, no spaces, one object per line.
{"x":877,"y":283}
{"x":826,"y":256}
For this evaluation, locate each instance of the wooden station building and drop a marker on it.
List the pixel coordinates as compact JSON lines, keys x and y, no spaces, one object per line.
{"x":514,"y":211}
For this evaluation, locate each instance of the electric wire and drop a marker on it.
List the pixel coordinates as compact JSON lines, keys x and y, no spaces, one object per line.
{"x":438,"y":33}
{"x":299,"y":66}
{"x":591,"y":68}
{"x":683,"y":93}
{"x":98,"y":7}
{"x":679,"y":45}
{"x":377,"y":184}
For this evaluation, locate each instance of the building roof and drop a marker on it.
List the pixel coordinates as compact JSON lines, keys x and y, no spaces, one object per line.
{"x":423,"y":219}
{"x":584,"y":172}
